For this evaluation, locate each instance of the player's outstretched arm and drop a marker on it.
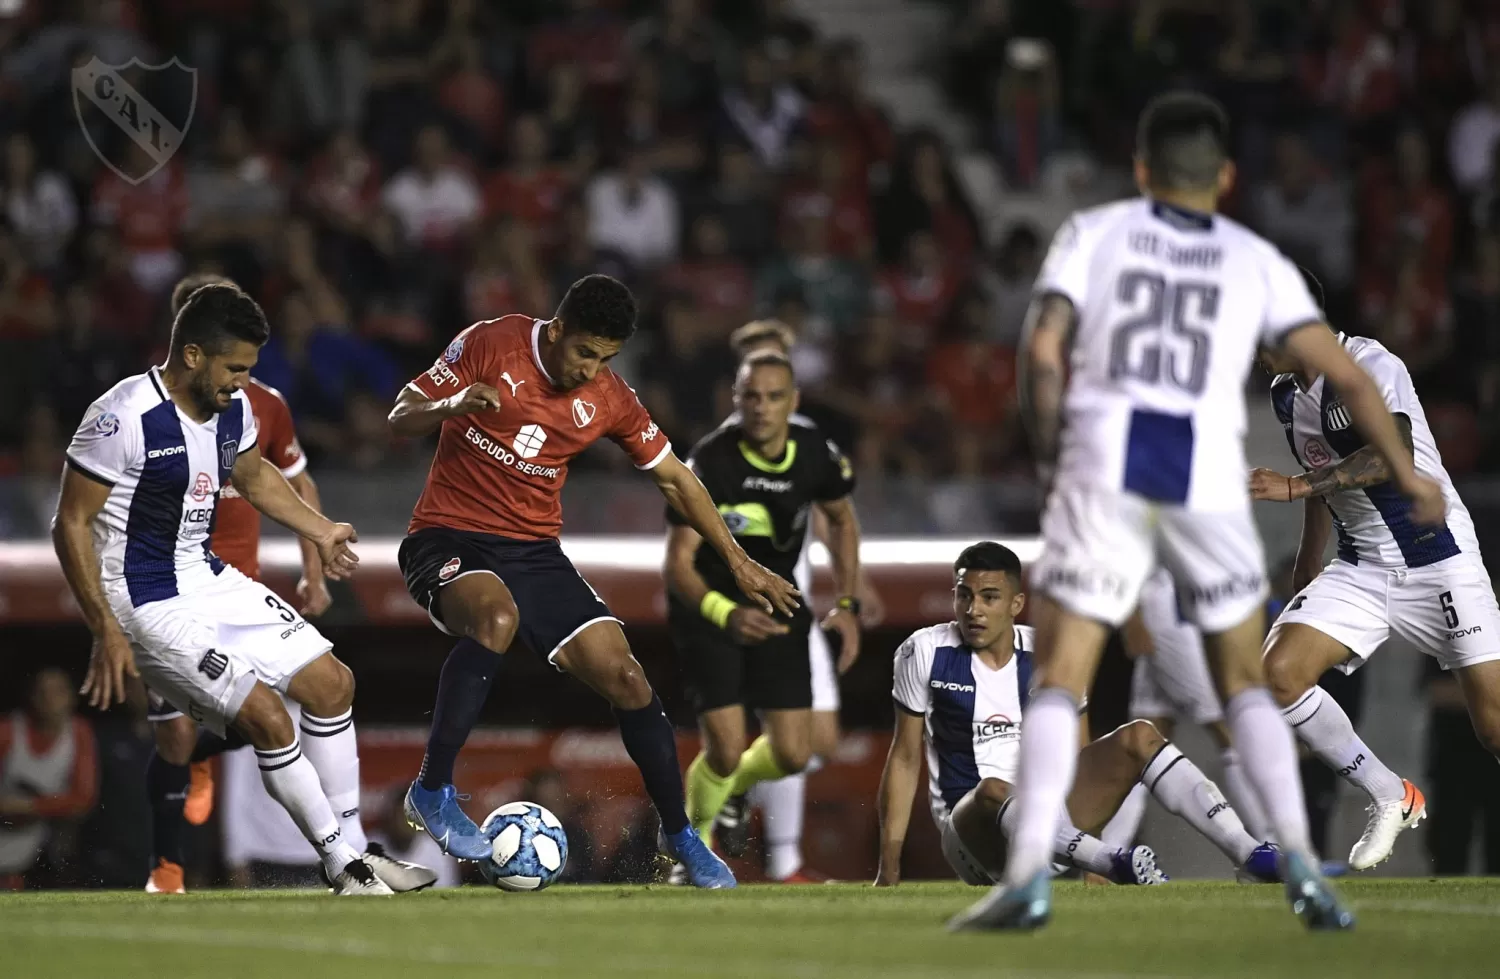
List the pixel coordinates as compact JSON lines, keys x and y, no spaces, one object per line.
{"x":1317,"y":522}
{"x":748,"y":625}
{"x":898,"y":784}
{"x":843,"y":549}
{"x":312,"y":589}
{"x":1043,"y":372}
{"x":416,"y":415}
{"x":111,"y":658}
{"x":269,"y":492}
{"x":1320,"y":352}
{"x":1359,"y":470}
{"x":685,"y":493}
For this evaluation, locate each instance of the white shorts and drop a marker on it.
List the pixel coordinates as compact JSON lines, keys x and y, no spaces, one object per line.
{"x":1174,"y":680}
{"x":1446,"y":610}
{"x":203,"y":652}
{"x":968,"y":869}
{"x":825,"y":674}
{"x":1099,"y":547}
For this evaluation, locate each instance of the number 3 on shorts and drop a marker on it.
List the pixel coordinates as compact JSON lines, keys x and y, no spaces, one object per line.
{"x":287,"y":615}
{"x":1450,"y":614}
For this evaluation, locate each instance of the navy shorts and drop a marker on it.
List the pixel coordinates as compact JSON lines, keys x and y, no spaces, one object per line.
{"x":553,"y":601}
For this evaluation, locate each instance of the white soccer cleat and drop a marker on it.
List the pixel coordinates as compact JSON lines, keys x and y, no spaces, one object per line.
{"x":1387,"y":821}
{"x":400,"y":876}
{"x":358,"y":880}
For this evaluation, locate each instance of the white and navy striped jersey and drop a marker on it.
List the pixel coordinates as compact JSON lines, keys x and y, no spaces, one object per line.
{"x":1171,"y":306}
{"x":1372,"y":524}
{"x":973,"y":713}
{"x":164,"y":471}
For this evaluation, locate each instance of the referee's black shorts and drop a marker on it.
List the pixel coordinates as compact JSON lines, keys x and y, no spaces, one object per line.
{"x":553,"y":601}
{"x":719,"y":672}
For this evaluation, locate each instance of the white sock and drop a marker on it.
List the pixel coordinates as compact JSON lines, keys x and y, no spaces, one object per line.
{"x":1184,"y":791}
{"x":1242,"y":796}
{"x":329,"y":743}
{"x":781,"y":803}
{"x":1071,"y":847}
{"x":1123,"y":826}
{"x":291,"y":780}
{"x":1321,"y":724}
{"x":1269,"y":754}
{"x":1049,"y":759}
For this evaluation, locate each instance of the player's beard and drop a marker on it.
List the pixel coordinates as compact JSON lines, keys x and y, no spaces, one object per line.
{"x":206,"y":394}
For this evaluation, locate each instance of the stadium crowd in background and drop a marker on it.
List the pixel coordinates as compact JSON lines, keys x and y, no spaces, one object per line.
{"x":380,"y":172}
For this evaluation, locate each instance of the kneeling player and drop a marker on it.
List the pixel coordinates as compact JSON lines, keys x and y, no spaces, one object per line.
{"x":961,"y":688}
{"x":1391,"y":577}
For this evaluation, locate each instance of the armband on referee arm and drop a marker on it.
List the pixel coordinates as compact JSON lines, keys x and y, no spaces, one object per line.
{"x":716,"y":607}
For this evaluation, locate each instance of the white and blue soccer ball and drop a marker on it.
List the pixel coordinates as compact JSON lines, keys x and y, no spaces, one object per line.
{"x":528,"y":847}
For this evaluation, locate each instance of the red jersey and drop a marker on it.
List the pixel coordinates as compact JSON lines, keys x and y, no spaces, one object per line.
{"x":236,"y":536}
{"x":501,"y":472}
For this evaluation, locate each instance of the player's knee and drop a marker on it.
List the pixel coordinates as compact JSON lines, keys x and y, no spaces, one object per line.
{"x":626,"y":686}
{"x":1487,"y":730}
{"x":991,"y":793}
{"x":1285,"y":675}
{"x":265,"y":723}
{"x":1141,"y":740}
{"x":495,"y":628}
{"x":792,"y":758}
{"x":175,"y":740}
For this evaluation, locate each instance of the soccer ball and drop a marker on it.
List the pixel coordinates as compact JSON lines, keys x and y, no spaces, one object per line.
{"x":528,"y":847}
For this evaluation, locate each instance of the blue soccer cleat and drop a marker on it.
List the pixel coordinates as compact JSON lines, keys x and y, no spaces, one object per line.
{"x":1312,"y":899}
{"x":701,"y":866}
{"x":1023,"y":908}
{"x":1262,"y":866}
{"x":1136,"y":865}
{"x":437,"y":812}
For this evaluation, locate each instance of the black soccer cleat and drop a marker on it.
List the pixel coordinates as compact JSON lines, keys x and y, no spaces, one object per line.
{"x":732,"y":826}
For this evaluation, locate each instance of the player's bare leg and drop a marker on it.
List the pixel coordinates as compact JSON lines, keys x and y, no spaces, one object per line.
{"x":1266,"y":746}
{"x":167,"y":779}
{"x":1068,"y":651}
{"x":783,"y":749}
{"x":479,"y":609}
{"x":1296,"y":656}
{"x":600,"y":657}
{"x":291,"y":780}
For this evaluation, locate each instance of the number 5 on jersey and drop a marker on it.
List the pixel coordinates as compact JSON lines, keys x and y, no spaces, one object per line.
{"x":1166,"y":339}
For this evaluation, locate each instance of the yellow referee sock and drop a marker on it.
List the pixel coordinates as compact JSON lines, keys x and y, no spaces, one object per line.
{"x":707,"y":792}
{"x":757,"y":764}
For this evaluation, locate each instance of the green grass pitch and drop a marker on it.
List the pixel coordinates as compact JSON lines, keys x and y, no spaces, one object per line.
{"x":1448,"y":928}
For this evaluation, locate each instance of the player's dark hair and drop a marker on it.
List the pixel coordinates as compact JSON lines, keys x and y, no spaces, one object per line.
{"x":599,"y":305}
{"x":989,"y":556}
{"x":216,"y":314}
{"x":190,"y":284}
{"x":1184,"y":140}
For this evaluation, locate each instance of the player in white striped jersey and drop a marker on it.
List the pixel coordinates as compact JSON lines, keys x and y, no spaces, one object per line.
{"x":1152,"y":309}
{"x":1391,"y":578}
{"x":962,"y":689}
{"x":139,"y":493}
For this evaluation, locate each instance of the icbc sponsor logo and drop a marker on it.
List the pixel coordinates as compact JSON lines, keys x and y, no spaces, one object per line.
{"x":448,"y":570}
{"x":996,"y":726}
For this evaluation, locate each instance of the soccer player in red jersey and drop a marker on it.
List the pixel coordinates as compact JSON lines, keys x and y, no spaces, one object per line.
{"x":179,"y":778}
{"x":514,"y":400}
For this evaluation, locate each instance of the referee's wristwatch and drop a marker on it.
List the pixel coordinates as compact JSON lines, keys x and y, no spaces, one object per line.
{"x":848,"y":603}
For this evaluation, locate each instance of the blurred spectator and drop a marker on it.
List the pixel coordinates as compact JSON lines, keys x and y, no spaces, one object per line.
{"x":982,"y":31}
{"x":1007,"y":284}
{"x":1442,"y":62}
{"x":149,"y":217}
{"x":387,"y":74}
{"x":974,"y":384}
{"x":48,"y":773}
{"x":505,"y":277}
{"x":633,"y":212}
{"x":687,"y":47}
{"x":470,"y":95}
{"x":1463,"y":785}
{"x":1026,"y":125}
{"x":920,"y":291}
{"x":39,"y":204}
{"x":832,"y":195}
{"x":686,"y":378}
{"x":235,"y":201}
{"x":118,"y":829}
{"x":571,"y":131}
{"x":1306,"y":214}
{"x":880,"y":389}
{"x":78,"y":360}
{"x":531,"y":189}
{"x":925,"y":196}
{"x":738,"y":196}
{"x":836,"y":290}
{"x":1404,"y":208}
{"x":1471,"y":141}
{"x":1409,"y":315}
{"x":588,"y":35}
{"x":435,"y":201}
{"x":315,"y":88}
{"x":719,"y":283}
{"x":578,"y":257}
{"x":762,"y":110}
{"x":845,"y":113}
{"x":393,"y":832}
{"x":1473,"y":371}
{"x":1353,"y":70}
{"x":26,"y":303}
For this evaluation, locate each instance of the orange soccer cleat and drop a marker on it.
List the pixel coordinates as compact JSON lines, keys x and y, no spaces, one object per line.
{"x":200,"y":797}
{"x":805,"y":876}
{"x":166,"y":878}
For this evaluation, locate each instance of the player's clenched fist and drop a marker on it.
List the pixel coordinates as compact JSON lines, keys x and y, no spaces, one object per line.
{"x":475,"y":397}
{"x":1268,"y":484}
{"x":766,"y":588}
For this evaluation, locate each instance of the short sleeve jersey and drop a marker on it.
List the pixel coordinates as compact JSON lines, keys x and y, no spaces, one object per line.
{"x":164,"y":471}
{"x":236,"y":533}
{"x":1372,"y":525}
{"x":1171,"y":306}
{"x":501,"y":472}
{"x":766,"y":504}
